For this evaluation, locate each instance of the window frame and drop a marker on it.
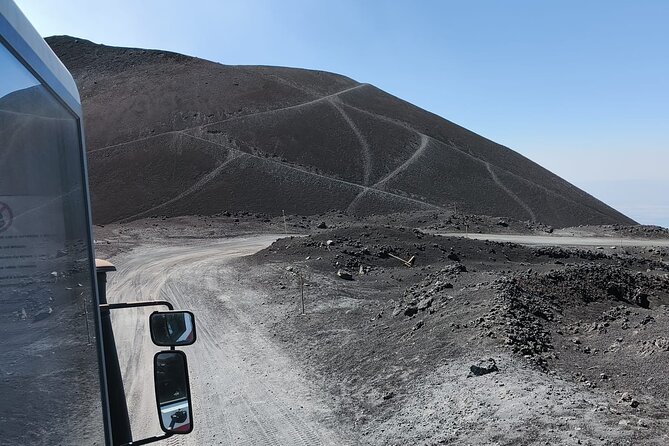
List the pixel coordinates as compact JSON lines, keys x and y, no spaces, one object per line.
{"x":23,"y":42}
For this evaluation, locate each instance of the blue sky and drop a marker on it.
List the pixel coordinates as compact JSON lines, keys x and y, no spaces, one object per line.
{"x":580,"y":87}
{"x":14,"y":75}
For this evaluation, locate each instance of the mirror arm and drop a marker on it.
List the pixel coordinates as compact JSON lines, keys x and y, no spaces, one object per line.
{"x":143,"y":303}
{"x":149,"y":303}
{"x":148,"y":440}
{"x":146,"y":303}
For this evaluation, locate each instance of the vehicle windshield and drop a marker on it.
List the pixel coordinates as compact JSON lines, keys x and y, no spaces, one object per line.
{"x":48,"y":357}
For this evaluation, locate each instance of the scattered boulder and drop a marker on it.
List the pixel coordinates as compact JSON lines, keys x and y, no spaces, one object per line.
{"x":408,"y":311}
{"x":526,"y":303}
{"x":483,"y":367}
{"x":343,"y":274}
{"x":641,"y":298}
{"x":662,"y":344}
{"x":625,"y":398}
{"x":431,"y":292}
{"x":322,"y":225}
{"x":616,"y":290}
{"x":425,"y":303}
{"x":454,"y":270}
{"x":42,"y":314}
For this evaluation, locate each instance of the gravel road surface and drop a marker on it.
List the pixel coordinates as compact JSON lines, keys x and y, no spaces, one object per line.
{"x":245,"y":390}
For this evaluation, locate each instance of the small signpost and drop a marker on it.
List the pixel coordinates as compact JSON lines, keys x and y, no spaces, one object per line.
{"x":285,"y":227}
{"x":302,"y":291}
{"x":300,"y":276}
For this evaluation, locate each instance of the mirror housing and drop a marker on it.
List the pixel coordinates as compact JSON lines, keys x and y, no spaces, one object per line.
{"x":170,"y":374}
{"x":172,"y":328}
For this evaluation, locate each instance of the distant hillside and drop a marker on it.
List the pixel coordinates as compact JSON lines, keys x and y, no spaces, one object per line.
{"x":169,"y":134}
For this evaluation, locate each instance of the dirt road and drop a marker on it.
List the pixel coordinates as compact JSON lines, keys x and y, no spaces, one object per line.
{"x":245,"y":390}
{"x":556,"y":240}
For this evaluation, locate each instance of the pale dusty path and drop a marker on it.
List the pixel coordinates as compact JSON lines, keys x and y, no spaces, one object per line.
{"x":364,"y":146}
{"x":245,"y":390}
{"x":424,"y":140}
{"x":509,"y":192}
{"x":234,"y":118}
{"x":199,"y":184}
{"x":556,"y":240}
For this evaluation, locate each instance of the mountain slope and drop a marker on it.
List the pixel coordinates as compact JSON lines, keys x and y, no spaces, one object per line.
{"x":169,"y":134}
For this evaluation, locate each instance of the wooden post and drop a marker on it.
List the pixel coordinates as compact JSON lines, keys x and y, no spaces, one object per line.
{"x":302,"y":291}
{"x":285,"y":227}
{"x":408,"y":263}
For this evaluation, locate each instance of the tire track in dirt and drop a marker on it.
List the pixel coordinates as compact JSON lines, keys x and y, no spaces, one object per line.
{"x":245,"y":390}
{"x":295,"y":431}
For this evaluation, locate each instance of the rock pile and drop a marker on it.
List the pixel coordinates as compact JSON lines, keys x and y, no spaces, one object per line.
{"x":527,"y":304}
{"x":483,"y":367}
{"x":423,"y":295}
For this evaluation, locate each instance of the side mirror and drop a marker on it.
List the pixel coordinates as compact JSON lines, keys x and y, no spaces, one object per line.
{"x":172,"y":328}
{"x":170,"y":372}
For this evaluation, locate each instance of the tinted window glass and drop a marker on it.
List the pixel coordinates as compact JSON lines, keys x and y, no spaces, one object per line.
{"x":49,"y":383}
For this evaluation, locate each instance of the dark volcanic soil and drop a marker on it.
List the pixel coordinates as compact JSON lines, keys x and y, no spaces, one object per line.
{"x":580,"y":332}
{"x":475,"y":343}
{"x":173,"y":135}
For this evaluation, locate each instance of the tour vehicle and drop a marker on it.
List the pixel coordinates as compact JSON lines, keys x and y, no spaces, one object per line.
{"x":60,"y":380}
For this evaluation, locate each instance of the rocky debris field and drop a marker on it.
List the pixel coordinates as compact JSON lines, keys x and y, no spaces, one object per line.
{"x":634,"y":231}
{"x":585,"y":321}
{"x":424,"y":339}
{"x":533,"y":308}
